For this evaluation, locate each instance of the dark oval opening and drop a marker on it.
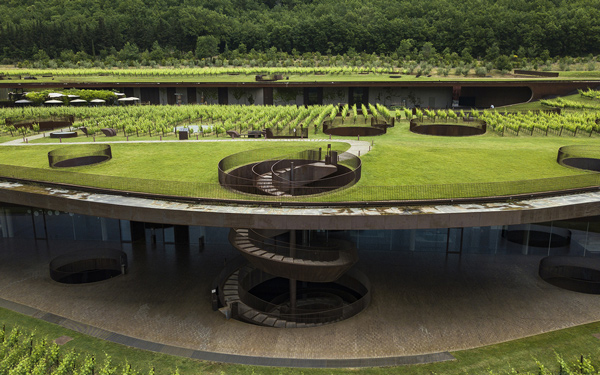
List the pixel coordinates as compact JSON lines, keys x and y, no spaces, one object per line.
{"x":447,"y":130}
{"x":79,"y":155}
{"x":589,"y":164}
{"x":81,"y":161}
{"x":572,"y":273}
{"x":63,"y":135}
{"x":538,"y":236}
{"x":354,"y":131}
{"x":88,"y":267}
{"x":580,"y":156}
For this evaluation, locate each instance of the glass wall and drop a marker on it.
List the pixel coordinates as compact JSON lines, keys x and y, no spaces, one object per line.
{"x":35,"y":223}
{"x":577,"y":237}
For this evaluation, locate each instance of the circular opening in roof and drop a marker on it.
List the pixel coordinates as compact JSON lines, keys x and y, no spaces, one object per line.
{"x":354,"y":131}
{"x":580,"y":157}
{"x":79,"y":155}
{"x":537,"y":236}
{"x":304,"y":173}
{"x":63,"y":134}
{"x":577,"y":274}
{"x":448,"y":130}
{"x":88,"y":267}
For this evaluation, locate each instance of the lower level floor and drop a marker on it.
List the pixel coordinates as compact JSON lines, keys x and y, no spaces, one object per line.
{"x":432,"y":291}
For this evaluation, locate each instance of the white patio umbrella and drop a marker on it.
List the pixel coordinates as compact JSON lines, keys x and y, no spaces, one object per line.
{"x":78,"y":101}
{"x":98,"y":101}
{"x":128,"y":101}
{"x":23,"y":101}
{"x":53,"y":102}
{"x":55,"y":95}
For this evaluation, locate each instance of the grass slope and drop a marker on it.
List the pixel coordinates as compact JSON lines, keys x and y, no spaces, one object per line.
{"x":399,"y":158}
{"x":188,"y":162}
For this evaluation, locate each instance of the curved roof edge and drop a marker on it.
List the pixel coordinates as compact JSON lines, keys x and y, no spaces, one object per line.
{"x":332,"y":218}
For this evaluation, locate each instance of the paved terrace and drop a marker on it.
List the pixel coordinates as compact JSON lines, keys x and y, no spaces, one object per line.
{"x":424,"y":304}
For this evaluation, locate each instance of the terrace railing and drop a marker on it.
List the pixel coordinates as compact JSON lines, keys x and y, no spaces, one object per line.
{"x":243,"y":172}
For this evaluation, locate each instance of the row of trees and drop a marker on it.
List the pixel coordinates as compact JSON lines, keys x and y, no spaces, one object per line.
{"x":163,"y":120}
{"x":441,"y":63}
{"x":217,"y":119}
{"x":39,"y":29}
{"x":528,"y":123}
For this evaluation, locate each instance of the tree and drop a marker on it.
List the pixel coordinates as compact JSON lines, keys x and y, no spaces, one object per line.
{"x":466,"y":55}
{"x":37,"y":96}
{"x":493,"y":53}
{"x":41,"y":56}
{"x":207,"y":46}
{"x":130,"y":51}
{"x":503,"y":63}
{"x":404,"y":47}
{"x":545,"y":56}
{"x":428,"y":50}
{"x":157,"y":53}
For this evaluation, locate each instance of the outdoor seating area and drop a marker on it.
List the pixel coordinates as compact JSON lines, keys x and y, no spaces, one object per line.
{"x":44,"y":123}
{"x":63,"y":134}
{"x":251,"y":134}
{"x":109,"y":132}
{"x":268,"y":77}
{"x":269,"y":134}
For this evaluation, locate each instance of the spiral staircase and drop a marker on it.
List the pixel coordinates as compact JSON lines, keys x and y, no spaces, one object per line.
{"x":289,"y":260}
{"x":286,"y":283}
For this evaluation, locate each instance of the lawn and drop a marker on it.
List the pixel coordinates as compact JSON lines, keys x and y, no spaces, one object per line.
{"x":398,"y":158}
{"x":6,"y":138}
{"x":167,"y":161}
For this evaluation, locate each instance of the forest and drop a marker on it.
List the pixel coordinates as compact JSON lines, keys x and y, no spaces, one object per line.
{"x":40,"y":30}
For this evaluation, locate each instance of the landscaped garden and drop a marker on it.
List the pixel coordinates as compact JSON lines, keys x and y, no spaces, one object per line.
{"x":401,"y":165}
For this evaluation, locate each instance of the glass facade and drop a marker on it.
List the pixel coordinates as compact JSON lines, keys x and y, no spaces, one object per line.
{"x":576,"y":237}
{"x":39,"y":224}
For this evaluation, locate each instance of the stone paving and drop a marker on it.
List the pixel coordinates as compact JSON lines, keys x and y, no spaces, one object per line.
{"x":422,"y":302}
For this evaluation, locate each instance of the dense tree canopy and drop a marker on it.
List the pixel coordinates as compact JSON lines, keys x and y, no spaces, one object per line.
{"x":42,"y":29}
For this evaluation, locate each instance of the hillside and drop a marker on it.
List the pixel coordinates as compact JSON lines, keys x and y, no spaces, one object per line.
{"x":417,"y":30}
